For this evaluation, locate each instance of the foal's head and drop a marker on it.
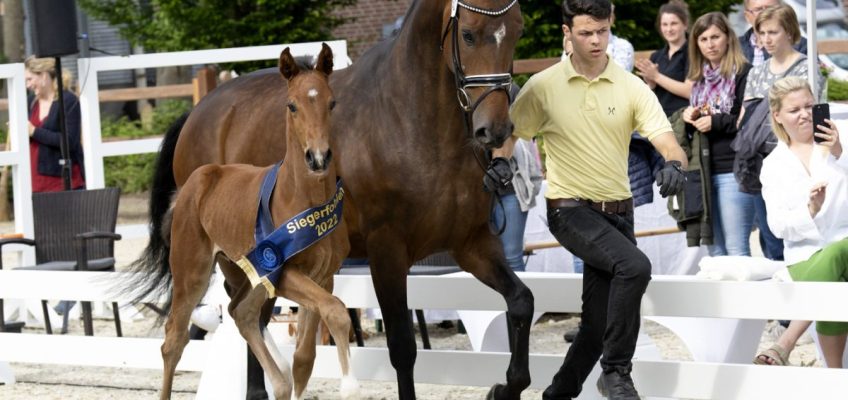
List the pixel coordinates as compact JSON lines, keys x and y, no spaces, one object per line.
{"x":479,"y":43}
{"x":310,"y":101}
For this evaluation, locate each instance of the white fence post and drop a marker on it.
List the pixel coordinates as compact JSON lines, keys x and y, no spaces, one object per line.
{"x":18,"y":155}
{"x":91,"y":135}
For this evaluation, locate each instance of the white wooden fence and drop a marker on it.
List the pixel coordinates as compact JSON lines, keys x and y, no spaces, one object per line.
{"x":17,"y":155}
{"x":95,"y":150}
{"x":666,"y":296}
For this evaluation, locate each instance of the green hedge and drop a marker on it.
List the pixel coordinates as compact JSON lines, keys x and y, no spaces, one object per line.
{"x":133,"y":173}
{"x":837,"y":90}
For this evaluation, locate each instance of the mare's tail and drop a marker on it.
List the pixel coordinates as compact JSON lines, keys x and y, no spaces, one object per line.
{"x":153,"y":271}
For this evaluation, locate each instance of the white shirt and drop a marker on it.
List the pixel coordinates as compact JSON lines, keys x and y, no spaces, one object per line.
{"x":621,"y":51}
{"x":786,"y":191}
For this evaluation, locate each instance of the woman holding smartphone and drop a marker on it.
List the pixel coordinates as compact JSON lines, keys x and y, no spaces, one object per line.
{"x":805,"y":187}
{"x":719,"y":71}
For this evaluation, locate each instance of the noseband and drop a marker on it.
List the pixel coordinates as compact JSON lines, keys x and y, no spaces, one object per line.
{"x":464,"y":82}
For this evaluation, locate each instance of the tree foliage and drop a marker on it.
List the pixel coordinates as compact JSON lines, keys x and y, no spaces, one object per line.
{"x":635,"y":21}
{"x":177,"y":25}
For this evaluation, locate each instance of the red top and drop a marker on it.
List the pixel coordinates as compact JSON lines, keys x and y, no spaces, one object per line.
{"x":46,"y":183}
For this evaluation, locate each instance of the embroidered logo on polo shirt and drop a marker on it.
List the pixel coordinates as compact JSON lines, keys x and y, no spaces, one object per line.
{"x":610,"y":110}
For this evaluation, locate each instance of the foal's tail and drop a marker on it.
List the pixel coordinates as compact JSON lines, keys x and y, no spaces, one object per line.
{"x":153,"y":271}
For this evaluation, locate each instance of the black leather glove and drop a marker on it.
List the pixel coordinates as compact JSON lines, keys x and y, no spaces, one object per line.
{"x":498,"y":175}
{"x":670,"y":178}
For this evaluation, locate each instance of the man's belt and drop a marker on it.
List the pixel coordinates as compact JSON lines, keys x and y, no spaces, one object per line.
{"x":609,"y":207}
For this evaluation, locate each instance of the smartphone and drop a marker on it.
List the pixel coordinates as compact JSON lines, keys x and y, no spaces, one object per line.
{"x":820,"y":113}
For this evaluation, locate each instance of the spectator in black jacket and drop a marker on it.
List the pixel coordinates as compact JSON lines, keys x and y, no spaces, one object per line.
{"x":666,"y":70}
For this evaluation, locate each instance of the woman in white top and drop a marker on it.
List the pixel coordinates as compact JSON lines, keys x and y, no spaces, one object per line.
{"x":805,"y":186}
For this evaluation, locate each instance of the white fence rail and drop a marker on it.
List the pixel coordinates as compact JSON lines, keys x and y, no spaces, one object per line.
{"x":94,"y":148}
{"x":666,"y":296}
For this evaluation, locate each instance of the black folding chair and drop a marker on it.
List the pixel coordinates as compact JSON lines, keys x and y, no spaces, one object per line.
{"x":73,"y":231}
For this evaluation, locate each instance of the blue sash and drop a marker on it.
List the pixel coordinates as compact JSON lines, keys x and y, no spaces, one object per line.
{"x":263,"y":264}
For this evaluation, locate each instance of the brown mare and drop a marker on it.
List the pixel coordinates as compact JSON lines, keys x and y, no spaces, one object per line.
{"x":408,"y":153}
{"x":214,"y":217}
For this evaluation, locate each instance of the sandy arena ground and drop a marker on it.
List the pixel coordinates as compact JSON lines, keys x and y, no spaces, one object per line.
{"x":38,"y":381}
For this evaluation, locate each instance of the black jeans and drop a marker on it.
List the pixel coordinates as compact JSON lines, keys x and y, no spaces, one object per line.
{"x":615,"y":277}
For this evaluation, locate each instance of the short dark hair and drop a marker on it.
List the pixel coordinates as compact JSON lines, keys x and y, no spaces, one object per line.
{"x":678,"y":8}
{"x":597,"y":9}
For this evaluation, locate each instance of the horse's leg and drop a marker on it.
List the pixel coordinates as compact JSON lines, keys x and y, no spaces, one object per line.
{"x":389,"y":267}
{"x":296,"y":286}
{"x":236,"y":282}
{"x":483,"y":257}
{"x":247,"y":315}
{"x":304,"y":353}
{"x":191,"y":261}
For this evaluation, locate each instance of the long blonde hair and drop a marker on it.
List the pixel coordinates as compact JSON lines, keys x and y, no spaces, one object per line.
{"x":732,"y":61}
{"x":779,"y":90}
{"x":48,"y":65}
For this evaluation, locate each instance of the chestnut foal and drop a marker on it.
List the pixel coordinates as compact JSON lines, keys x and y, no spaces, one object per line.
{"x":214,"y":218}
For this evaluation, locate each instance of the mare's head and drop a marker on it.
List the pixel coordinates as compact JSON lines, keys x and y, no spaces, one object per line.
{"x":310,"y":101}
{"x":479,"y":38}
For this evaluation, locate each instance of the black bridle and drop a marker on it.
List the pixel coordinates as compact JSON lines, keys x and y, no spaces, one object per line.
{"x":493,"y":83}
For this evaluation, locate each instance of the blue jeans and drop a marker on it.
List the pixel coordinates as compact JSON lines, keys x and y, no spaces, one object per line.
{"x":772,"y":245}
{"x":513,"y":234}
{"x":733,"y":217}
{"x":578,"y":265}
{"x":615,"y":278}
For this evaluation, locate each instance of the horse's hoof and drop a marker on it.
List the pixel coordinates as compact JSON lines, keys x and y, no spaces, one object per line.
{"x":496,"y":392}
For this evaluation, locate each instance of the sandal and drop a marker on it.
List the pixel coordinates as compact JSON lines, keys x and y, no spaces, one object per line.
{"x":774,"y":355}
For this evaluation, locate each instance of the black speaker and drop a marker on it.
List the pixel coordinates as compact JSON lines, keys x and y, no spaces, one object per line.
{"x":53,"y":27}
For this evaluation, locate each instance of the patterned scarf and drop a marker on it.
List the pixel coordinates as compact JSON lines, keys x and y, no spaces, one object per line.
{"x":716,"y":91}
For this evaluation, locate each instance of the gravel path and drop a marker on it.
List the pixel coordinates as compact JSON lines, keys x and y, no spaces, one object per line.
{"x":37,"y":381}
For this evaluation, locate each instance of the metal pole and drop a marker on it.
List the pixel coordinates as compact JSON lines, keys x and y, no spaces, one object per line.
{"x":64,"y":145}
{"x":812,"y":50}
{"x":82,"y":22}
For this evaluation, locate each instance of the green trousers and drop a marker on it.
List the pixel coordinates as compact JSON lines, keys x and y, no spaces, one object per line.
{"x":829,"y":264}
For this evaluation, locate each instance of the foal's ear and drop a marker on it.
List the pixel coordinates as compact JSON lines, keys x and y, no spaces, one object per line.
{"x":325,"y":60}
{"x":287,"y":65}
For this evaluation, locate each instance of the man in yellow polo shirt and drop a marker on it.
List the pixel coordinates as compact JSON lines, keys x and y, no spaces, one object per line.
{"x":585,"y":108}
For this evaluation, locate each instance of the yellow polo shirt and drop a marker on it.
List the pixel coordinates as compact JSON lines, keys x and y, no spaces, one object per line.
{"x":586,"y":126}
